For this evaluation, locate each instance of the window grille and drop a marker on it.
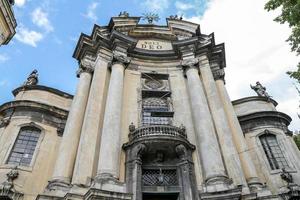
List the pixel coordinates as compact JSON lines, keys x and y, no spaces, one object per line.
{"x":163,"y":177}
{"x":24,"y":147}
{"x":155,"y":105}
{"x":273,"y":152}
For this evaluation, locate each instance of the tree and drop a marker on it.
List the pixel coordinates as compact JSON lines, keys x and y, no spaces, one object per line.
{"x":290,"y":13}
{"x":296,"y":138}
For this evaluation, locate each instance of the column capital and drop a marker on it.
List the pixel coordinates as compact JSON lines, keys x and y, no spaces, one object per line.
{"x":191,"y":62}
{"x":119,"y":57}
{"x":219,"y":74}
{"x":84,"y":70}
{"x":87,"y":64}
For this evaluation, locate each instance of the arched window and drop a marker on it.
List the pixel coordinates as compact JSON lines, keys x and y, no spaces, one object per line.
{"x":24,"y":147}
{"x":273,"y":152}
{"x":153,"y":108}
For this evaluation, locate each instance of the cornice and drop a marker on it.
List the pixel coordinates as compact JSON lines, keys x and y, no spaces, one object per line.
{"x":254,"y":98}
{"x":42,"y":88}
{"x":34,"y":106}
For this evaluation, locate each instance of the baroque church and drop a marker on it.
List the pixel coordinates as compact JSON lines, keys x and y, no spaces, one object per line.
{"x":150,"y":120}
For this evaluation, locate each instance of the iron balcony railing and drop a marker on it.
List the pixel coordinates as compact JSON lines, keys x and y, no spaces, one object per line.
{"x":156,"y":130}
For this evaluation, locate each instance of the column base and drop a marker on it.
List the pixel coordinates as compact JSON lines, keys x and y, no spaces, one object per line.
{"x":108,"y":182}
{"x":57,"y":184}
{"x":218,"y":183}
{"x":254,"y":184}
{"x":229,"y":194}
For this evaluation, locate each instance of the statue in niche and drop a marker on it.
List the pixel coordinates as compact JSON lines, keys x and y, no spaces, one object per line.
{"x":260,"y":90}
{"x":32,"y":79}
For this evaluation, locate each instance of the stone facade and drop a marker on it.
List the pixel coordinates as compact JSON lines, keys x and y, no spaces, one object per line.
{"x":7,"y":21}
{"x":150,"y":120}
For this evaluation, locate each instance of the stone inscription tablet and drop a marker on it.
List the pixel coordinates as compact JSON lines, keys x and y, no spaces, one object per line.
{"x":154,"y":45}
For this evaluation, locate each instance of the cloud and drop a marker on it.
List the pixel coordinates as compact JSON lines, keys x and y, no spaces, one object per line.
{"x":20,"y":3}
{"x":3,"y":58}
{"x":183,"y":6}
{"x":40,"y":18}
{"x":156,"y":5}
{"x":255,"y":48}
{"x":91,"y":11}
{"x":27,"y":36}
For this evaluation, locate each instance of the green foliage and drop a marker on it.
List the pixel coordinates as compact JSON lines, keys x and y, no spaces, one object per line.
{"x":297,"y":140}
{"x":290,"y":13}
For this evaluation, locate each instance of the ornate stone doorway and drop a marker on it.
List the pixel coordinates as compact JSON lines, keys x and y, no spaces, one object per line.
{"x":159,"y":164}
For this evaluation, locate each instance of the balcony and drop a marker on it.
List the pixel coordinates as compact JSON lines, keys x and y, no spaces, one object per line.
{"x":157,"y":131}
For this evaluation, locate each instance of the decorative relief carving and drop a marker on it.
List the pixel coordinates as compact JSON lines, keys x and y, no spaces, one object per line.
{"x":32,"y":79}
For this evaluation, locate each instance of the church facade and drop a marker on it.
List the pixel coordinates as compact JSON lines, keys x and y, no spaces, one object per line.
{"x":8,"y":22}
{"x":150,"y":120}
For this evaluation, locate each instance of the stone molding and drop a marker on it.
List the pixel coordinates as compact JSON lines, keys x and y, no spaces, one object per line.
{"x":264,"y":119}
{"x":43,"y":88}
{"x":38,"y":112}
{"x":254,"y":98}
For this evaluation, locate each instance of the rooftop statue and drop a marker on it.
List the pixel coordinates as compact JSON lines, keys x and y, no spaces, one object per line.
{"x":150,"y":17}
{"x":176,"y":17}
{"x":124,"y":14}
{"x":260,"y":90}
{"x":32,"y":79}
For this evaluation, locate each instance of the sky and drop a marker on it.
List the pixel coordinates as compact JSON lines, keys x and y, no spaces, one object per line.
{"x":48,"y":31}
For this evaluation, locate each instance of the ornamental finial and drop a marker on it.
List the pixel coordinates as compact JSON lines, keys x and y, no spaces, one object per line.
{"x":150,"y":17}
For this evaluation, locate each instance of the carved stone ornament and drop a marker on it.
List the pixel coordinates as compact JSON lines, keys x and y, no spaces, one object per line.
{"x":286,"y":176}
{"x":189,"y":62}
{"x":131,"y":127}
{"x":32,"y":79}
{"x":119,"y":57}
{"x":219,"y":74}
{"x":4,"y":122}
{"x":181,"y":152}
{"x":7,"y":187}
{"x":139,"y":150}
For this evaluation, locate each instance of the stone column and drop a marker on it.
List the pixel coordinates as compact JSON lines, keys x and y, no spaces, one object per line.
{"x":91,"y":128}
{"x":68,"y":148}
{"x":231,"y":157}
{"x":110,"y":147}
{"x":238,"y":137}
{"x":213,"y":168}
